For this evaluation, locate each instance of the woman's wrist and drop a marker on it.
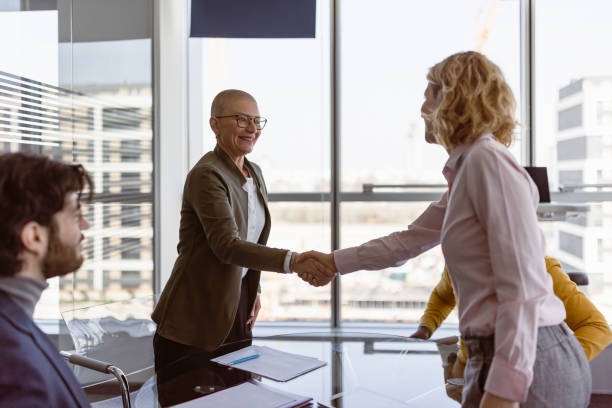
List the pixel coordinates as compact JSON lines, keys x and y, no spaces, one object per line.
{"x":426,"y":331}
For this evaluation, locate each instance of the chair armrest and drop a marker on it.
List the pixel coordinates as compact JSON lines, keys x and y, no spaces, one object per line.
{"x":105,"y":368}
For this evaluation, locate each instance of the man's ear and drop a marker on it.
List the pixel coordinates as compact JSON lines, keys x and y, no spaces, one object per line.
{"x":35,"y":238}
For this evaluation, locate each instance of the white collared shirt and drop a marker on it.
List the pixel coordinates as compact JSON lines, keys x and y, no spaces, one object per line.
{"x":256,"y":217}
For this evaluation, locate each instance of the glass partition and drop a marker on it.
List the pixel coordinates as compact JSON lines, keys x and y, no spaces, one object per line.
{"x":75,"y":84}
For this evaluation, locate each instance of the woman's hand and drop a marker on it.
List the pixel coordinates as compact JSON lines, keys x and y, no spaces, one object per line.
{"x":491,"y":401}
{"x":325,"y":259}
{"x":314,"y":267}
{"x":254,"y":312}
{"x":421,"y":333}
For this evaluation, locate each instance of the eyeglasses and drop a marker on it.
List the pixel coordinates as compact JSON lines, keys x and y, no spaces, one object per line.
{"x":243,"y":121}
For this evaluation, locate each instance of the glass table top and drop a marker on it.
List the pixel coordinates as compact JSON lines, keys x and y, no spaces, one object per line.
{"x":363,"y":370}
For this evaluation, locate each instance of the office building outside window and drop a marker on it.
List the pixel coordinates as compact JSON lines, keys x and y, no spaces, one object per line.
{"x":573,"y":96}
{"x":85,"y":96}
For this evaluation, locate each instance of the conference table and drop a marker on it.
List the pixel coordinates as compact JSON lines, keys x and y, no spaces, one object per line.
{"x":363,"y":370}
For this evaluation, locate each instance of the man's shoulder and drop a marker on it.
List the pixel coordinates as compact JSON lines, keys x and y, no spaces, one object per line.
{"x":19,"y":351}
{"x":32,"y":368}
{"x":29,"y":374}
{"x":12,"y":317}
{"x":18,"y":330}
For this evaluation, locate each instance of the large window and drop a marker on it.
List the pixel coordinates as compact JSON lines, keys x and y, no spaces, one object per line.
{"x":573,"y":96}
{"x":76,"y":86}
{"x":290,"y":79}
{"x":395,"y":294}
{"x":386,"y":50}
{"x":383,"y":52}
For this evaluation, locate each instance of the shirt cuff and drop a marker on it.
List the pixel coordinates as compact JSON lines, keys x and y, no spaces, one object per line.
{"x":347,"y":260}
{"x":287,"y":263}
{"x":507,"y":382}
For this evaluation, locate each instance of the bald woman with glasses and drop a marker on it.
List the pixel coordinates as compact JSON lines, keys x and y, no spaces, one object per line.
{"x":212,"y":296}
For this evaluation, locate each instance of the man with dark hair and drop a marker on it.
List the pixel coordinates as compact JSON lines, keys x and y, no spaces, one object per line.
{"x":41,"y":228}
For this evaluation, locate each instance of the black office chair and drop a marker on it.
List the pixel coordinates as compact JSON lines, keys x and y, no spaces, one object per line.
{"x":579,"y":278}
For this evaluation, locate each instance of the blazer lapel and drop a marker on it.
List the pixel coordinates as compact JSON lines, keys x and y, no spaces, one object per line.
{"x":263,"y":193}
{"x":239,"y":178}
{"x":230,"y":165}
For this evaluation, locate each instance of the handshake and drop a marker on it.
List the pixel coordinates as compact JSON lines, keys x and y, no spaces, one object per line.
{"x":314,"y":267}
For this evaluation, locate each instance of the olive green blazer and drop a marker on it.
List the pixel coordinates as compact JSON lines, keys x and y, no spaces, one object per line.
{"x":198,"y":304}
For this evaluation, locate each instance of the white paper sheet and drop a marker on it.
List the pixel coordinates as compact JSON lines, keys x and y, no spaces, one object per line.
{"x":247,"y":394}
{"x":273,"y":364}
{"x":363,"y":398}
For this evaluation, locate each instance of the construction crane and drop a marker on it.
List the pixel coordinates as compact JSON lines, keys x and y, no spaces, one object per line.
{"x":484,"y":31}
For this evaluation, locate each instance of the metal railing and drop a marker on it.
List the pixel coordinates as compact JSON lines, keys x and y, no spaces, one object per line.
{"x":369,"y":188}
{"x":569,"y":188}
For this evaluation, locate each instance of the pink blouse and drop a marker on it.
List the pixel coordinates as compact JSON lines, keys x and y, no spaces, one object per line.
{"x":494,"y":249}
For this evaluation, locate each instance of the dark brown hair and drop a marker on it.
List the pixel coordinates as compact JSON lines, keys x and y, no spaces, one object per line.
{"x":32,"y":188}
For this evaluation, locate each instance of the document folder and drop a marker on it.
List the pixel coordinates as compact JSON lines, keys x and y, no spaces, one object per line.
{"x":273,"y":364}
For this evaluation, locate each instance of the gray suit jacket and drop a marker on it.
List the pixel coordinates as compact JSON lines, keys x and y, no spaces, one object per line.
{"x":198,"y":305}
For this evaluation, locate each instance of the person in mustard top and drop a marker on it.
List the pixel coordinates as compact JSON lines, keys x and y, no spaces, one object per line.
{"x":587,"y":323}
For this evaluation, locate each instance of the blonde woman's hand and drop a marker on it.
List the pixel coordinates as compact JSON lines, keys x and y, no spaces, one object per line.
{"x":326,"y":259}
{"x":312,"y":270}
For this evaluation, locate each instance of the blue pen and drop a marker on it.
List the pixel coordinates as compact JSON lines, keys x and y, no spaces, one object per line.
{"x":242,"y":360}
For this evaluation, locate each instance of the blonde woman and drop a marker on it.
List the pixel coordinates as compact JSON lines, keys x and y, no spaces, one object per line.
{"x":586,"y":322}
{"x":519,"y":350}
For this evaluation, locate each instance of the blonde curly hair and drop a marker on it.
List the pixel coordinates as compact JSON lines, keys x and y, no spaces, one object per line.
{"x":474,"y":99}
